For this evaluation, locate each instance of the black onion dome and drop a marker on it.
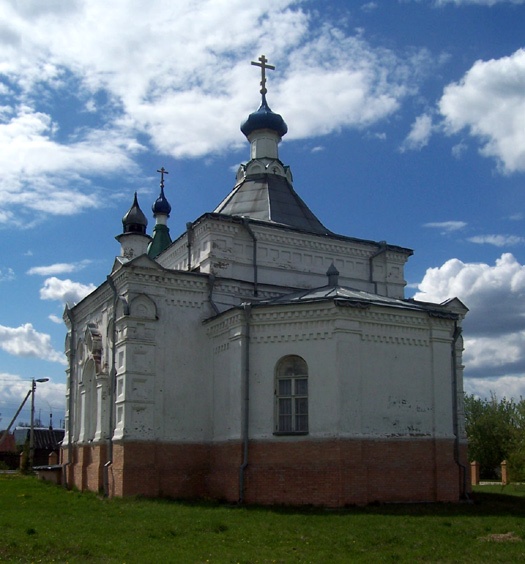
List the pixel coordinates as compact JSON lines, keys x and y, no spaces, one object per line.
{"x":135,"y":221}
{"x":161,"y":205}
{"x":264,"y":118}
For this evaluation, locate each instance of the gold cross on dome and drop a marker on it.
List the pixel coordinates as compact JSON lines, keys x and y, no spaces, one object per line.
{"x":262,"y":63}
{"x":162,"y":171}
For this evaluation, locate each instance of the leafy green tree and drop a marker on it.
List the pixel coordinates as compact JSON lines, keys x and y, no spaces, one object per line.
{"x":516,"y":459}
{"x":495,"y":431}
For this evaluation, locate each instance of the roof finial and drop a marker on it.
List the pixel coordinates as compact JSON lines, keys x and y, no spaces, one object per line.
{"x":162,"y":171}
{"x":263,"y":64}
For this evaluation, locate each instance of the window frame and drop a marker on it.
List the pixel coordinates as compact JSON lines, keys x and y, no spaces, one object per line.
{"x":291,"y":368}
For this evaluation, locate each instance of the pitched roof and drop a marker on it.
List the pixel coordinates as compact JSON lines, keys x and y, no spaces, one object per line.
{"x":48,"y":439}
{"x":271,"y":197}
{"x":342,"y":295}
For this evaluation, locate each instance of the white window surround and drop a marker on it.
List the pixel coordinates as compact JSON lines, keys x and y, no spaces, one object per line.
{"x":291,"y":396}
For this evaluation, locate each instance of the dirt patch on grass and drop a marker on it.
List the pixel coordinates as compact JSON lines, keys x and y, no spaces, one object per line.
{"x":501,"y":537}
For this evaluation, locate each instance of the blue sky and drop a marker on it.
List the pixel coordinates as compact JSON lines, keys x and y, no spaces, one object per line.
{"x":406,"y":124}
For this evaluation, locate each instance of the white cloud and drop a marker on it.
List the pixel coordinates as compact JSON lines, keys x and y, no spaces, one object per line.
{"x":7,"y":274}
{"x":369,"y":7}
{"x":497,"y":352}
{"x":419,"y":134}
{"x":25,"y":341}
{"x":497,"y":240}
{"x":505,"y":386}
{"x":59,"y":268}
{"x":13,"y":390}
{"x":65,"y":291}
{"x":459,"y":149}
{"x":446,"y":226}
{"x":489,"y":102}
{"x":172,"y":87}
{"x":495,"y":326}
{"x":44,"y":175}
{"x":55,"y":319}
{"x":478,"y":2}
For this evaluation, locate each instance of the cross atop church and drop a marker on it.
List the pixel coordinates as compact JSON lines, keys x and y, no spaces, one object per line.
{"x":263,"y":64}
{"x":162,"y":171}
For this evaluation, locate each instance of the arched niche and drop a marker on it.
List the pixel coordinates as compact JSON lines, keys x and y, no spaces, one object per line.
{"x":143,"y":307}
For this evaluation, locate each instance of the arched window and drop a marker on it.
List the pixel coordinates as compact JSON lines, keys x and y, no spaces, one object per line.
{"x":291,"y":395}
{"x":87,"y":411}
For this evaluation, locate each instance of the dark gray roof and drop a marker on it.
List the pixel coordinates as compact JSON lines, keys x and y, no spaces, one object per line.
{"x":135,"y":221}
{"x":49,"y":439}
{"x":342,"y":295}
{"x":270,"y":197}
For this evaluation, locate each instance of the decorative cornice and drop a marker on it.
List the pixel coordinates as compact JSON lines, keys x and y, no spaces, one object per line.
{"x":222,"y":348}
{"x":319,"y":322}
{"x":394,"y":339}
{"x":180,"y":302}
{"x":170,"y":280}
{"x":288,"y":337}
{"x":222,"y":324}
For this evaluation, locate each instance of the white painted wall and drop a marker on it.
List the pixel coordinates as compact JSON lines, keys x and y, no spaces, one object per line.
{"x":372,"y":373}
{"x":287,"y":258}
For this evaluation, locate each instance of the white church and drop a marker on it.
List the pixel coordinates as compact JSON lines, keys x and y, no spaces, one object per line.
{"x":261,"y":358}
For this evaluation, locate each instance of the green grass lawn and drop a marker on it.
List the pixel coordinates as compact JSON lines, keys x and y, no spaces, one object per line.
{"x":40,"y":522}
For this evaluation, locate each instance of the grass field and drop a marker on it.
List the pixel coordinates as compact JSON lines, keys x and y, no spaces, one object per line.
{"x":41,"y":522}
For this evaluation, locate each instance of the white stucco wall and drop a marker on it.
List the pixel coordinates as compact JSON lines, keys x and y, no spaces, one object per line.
{"x":180,"y":371}
{"x":372,"y":373}
{"x":287,"y":258}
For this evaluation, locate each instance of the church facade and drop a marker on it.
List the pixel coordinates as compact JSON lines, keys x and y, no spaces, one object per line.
{"x":261,"y":358}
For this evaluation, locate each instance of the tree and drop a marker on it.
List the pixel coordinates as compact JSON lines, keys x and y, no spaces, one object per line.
{"x":516,"y":458}
{"x":495,"y":431}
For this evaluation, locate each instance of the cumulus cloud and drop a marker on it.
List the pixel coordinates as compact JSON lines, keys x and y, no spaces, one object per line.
{"x":65,"y":291}
{"x":25,"y":341}
{"x":495,"y":325}
{"x":505,"y":386}
{"x":419,"y":134}
{"x":55,"y":319}
{"x":44,"y":175}
{"x":59,"y":268}
{"x":172,"y":88}
{"x":489,"y":102}
{"x":13,"y":390}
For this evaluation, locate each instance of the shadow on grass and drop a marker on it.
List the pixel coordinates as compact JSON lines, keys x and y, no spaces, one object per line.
{"x":484,"y":501}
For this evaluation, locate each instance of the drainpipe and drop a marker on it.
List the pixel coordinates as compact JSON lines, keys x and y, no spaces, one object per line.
{"x":189,"y":231}
{"x":112,"y":383}
{"x":211,"y":284}
{"x":382,"y":249}
{"x":246,"y":223}
{"x":72,"y":355}
{"x":462,"y":467}
{"x":246,"y":399}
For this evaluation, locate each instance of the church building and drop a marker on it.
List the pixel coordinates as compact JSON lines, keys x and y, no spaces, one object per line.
{"x":261,"y":358}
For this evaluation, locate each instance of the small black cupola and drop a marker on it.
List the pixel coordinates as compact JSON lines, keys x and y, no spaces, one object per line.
{"x":135,"y":221}
{"x":333,"y":276}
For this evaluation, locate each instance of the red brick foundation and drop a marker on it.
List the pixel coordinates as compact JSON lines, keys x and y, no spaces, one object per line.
{"x":332,"y":473}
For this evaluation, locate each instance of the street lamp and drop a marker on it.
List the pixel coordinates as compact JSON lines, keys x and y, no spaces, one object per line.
{"x":32,"y":429}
